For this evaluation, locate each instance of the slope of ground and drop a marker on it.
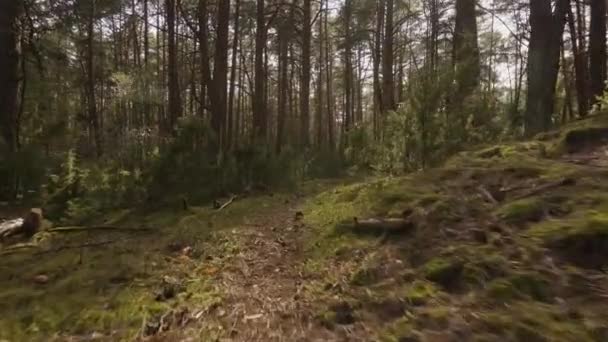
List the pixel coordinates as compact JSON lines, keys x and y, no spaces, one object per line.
{"x":508,"y":243}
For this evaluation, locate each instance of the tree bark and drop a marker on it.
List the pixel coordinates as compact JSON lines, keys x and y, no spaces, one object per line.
{"x":9,"y":77}
{"x":235,"y":44}
{"x":283,"y":45}
{"x":466,"y":57}
{"x":90,"y":82}
{"x":219,"y":95}
{"x":597,"y":49}
{"x":378,"y":107}
{"x":580,"y":66}
{"x":388,"y":83}
{"x":175,"y":105}
{"x":329,"y":72}
{"x":305,"y":83}
{"x":259,"y":97}
{"x":543,"y":63}
{"x":203,"y":54}
{"x":348,"y":67}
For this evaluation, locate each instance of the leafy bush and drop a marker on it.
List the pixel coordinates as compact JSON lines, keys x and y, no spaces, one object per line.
{"x":22,"y":173}
{"x":190,"y":166}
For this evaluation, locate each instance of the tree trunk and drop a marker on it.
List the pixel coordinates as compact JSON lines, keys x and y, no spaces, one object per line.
{"x":597,"y":48}
{"x":580,"y":66}
{"x":543,"y":63}
{"x":259,"y":98}
{"x":90,"y":82}
{"x":203,"y":54}
{"x":319,"y":111}
{"x":378,"y":108}
{"x":466,"y":57}
{"x":235,"y":45}
{"x":175,"y":105}
{"x":9,"y":77}
{"x":348,"y":67}
{"x":283,"y":45}
{"x":305,"y":86}
{"x":329,"y":72}
{"x":388,"y":83}
{"x":218,"y":93}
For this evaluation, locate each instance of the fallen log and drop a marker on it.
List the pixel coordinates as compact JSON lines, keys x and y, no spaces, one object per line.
{"x":28,"y":225}
{"x":378,"y":226}
{"x":75,"y":229}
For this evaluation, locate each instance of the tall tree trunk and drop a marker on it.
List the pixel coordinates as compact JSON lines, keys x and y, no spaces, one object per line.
{"x":580,"y":65}
{"x":259,"y":98}
{"x":9,"y":77}
{"x":175,"y":103}
{"x":203,"y":54}
{"x":320,"y":76}
{"x":466,"y":56}
{"x":388,"y":83}
{"x":543,"y":63}
{"x":348,"y":67}
{"x":283,"y":45}
{"x":597,"y":48}
{"x":235,"y":45}
{"x":378,"y":107}
{"x":90,"y":82}
{"x":329,"y":71}
{"x":219,"y":94}
{"x":305,"y":84}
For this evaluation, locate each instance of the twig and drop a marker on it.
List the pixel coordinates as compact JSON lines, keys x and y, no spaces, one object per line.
{"x":227,"y":203}
{"x":487,"y":195}
{"x":541,"y":188}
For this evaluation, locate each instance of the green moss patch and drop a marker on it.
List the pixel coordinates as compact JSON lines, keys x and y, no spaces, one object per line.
{"x":446,"y":272}
{"x":532,"y":321}
{"x":525,"y":285}
{"x":420,"y":292}
{"x":582,"y":238}
{"x":523,"y":210}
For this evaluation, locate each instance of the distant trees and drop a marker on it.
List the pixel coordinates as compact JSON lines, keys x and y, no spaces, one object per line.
{"x":297,"y":74}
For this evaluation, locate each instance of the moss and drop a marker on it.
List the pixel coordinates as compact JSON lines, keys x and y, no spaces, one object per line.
{"x":581,"y":238}
{"x":400,"y":330}
{"x":434,"y":317}
{"x":420,"y":292}
{"x":577,"y":139}
{"x":366,"y":276}
{"x":520,"y":286}
{"x":533,"y":321}
{"x":444,"y":271}
{"x":523,"y":210}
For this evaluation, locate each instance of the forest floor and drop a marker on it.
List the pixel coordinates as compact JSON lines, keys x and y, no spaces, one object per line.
{"x":505,"y":243}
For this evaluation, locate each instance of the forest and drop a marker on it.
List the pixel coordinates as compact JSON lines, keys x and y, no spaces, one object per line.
{"x":303,"y":170}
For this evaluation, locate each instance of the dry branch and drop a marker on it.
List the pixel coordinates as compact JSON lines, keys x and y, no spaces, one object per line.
{"x":229,"y":202}
{"x":487,"y":195}
{"x":378,"y":226}
{"x":545,"y":187}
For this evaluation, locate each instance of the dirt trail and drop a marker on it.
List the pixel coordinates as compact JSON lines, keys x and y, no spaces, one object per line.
{"x":262,"y":283}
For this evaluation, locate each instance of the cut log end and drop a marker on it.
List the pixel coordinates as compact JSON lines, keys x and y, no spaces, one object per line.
{"x":28,"y":225}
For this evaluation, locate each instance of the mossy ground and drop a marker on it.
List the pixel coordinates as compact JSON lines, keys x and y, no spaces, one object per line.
{"x":508,"y":244}
{"x":506,"y":241}
{"x":110,"y":288}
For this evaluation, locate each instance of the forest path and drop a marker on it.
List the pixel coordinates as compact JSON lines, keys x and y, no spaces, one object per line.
{"x":261,"y":283}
